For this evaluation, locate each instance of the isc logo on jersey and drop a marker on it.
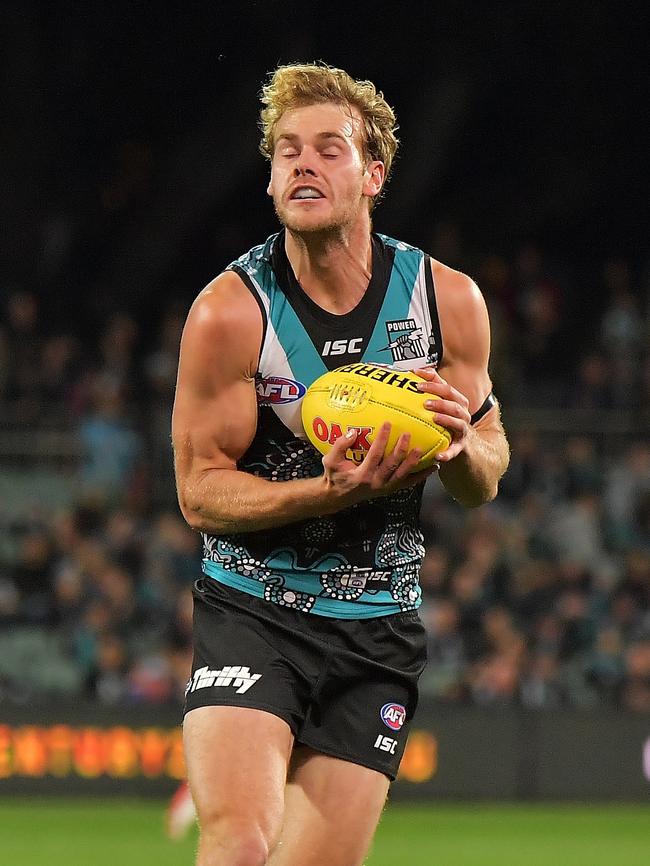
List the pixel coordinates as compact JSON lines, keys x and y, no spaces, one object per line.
{"x":342,"y":347}
{"x":276,"y":389}
{"x":393,"y":716}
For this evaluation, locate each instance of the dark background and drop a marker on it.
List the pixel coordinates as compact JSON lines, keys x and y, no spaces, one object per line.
{"x":129,"y":135}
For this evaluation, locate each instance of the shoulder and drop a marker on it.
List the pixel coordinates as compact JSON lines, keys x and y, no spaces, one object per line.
{"x":462,"y":310}
{"x":455,"y":288}
{"x":224,"y":318}
{"x":222,"y":303}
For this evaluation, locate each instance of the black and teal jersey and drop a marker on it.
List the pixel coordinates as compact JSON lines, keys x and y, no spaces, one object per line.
{"x":363,"y":561}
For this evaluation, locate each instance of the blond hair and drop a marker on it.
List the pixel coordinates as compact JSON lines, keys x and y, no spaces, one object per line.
{"x":299,"y":84}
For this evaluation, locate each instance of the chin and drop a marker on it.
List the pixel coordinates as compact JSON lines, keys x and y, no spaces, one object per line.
{"x":311,"y":224}
{"x":307,"y":225}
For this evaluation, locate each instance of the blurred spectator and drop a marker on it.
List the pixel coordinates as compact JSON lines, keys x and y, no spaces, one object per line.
{"x":541,"y":348}
{"x":576,"y":531}
{"x":434,"y":571}
{"x":540,"y":682}
{"x":622,"y":335}
{"x":622,"y":326}
{"x":627,"y":486}
{"x":590,"y":389}
{"x":606,"y":666}
{"x":107,"y":680}
{"x":635,"y":692}
{"x":23,"y":341}
{"x":160,"y":376}
{"x":59,"y":372}
{"x":112,"y":460}
{"x":33,"y":574}
{"x":447,"y":660}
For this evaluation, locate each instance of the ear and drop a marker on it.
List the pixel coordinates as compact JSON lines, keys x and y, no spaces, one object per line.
{"x":269,"y":189}
{"x":373,"y":178}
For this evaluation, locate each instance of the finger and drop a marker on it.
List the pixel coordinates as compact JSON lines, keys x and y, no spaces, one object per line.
{"x":449,"y":453}
{"x":378,"y":447}
{"x":391,"y":462}
{"x":340,"y":446}
{"x":446,"y":412}
{"x":409,"y":463}
{"x":430,"y":374}
{"x":444,"y":392}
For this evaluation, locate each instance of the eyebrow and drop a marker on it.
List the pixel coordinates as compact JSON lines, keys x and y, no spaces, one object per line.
{"x":291,"y":137}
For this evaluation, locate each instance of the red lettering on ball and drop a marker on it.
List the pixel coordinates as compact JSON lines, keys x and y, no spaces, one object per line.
{"x":335,"y":433}
{"x":321,"y":429}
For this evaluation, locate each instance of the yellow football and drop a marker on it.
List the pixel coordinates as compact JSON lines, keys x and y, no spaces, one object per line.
{"x":364,"y":396}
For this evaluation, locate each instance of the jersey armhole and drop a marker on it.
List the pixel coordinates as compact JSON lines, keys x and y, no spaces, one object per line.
{"x":250,"y":285}
{"x":436,"y":333}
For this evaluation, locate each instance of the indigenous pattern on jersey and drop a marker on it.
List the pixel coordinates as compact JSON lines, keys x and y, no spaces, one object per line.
{"x":363,"y":561}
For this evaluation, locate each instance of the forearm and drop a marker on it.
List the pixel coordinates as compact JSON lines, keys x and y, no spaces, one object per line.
{"x":472,"y":477}
{"x":225,"y":501}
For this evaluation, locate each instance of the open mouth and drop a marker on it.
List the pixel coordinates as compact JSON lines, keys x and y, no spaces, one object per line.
{"x":306,"y":193}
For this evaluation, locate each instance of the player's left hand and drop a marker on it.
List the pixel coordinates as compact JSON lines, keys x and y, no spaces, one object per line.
{"x":450,"y":409}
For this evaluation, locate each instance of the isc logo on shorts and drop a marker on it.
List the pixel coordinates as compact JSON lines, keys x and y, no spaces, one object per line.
{"x":393,"y":716}
{"x":386,"y":744}
{"x":230,"y":675}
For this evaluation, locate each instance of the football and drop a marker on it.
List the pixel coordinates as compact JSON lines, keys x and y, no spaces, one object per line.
{"x":364,"y":396}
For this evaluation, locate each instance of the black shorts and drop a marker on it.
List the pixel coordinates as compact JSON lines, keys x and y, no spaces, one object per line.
{"x":347,"y":688}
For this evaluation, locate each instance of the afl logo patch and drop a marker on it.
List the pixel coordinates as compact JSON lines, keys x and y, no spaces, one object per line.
{"x":276,"y":389}
{"x":393,"y":716}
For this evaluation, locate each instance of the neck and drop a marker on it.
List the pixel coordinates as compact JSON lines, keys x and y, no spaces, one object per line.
{"x":333,"y":267}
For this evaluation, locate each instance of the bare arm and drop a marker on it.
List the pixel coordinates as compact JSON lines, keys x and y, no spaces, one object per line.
{"x":472,"y":466}
{"x":214,"y":422}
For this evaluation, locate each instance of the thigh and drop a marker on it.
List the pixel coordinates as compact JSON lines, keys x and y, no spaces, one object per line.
{"x":366,"y":699}
{"x":244,"y":660}
{"x":237,"y":761}
{"x":332,"y":808}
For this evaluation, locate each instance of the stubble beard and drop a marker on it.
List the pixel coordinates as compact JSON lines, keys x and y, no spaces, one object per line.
{"x":334,"y":227}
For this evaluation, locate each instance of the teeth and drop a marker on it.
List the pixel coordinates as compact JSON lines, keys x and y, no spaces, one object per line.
{"x":306,"y":192}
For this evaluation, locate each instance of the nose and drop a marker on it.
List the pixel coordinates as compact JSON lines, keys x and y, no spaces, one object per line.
{"x":303,"y":170}
{"x":304,"y":165}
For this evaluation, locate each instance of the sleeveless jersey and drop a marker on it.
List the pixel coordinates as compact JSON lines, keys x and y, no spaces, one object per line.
{"x":363,"y":561}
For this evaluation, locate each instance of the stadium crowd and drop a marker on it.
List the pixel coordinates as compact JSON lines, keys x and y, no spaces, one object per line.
{"x":541,"y":598}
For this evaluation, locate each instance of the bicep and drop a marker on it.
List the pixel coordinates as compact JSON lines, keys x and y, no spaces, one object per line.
{"x":212,"y":429}
{"x":215,"y":409}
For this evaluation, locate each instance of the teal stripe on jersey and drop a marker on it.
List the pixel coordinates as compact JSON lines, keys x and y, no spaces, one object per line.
{"x":406,"y":268}
{"x":382,"y":604}
{"x":306,"y":364}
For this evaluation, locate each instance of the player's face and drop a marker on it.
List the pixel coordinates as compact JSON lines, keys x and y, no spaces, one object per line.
{"x":319,"y":178}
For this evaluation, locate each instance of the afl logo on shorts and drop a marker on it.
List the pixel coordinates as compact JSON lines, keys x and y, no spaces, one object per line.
{"x":393,"y":716}
{"x":276,"y":389}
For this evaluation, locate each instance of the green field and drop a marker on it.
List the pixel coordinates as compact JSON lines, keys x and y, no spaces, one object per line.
{"x":130,"y":833}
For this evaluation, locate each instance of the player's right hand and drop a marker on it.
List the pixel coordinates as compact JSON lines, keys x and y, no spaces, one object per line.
{"x":378,"y":474}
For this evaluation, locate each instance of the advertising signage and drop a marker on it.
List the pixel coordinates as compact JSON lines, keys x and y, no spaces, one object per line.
{"x":452,"y":753}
